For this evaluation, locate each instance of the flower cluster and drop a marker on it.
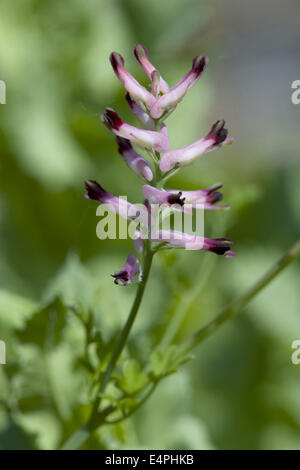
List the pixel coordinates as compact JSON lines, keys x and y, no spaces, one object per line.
{"x":152,"y":108}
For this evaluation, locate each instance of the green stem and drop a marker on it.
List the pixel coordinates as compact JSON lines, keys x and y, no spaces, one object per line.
{"x":240,"y":303}
{"x":137,"y":407}
{"x":77,"y":439}
{"x":128,"y":325}
{"x":186,"y":302}
{"x":96,"y":419}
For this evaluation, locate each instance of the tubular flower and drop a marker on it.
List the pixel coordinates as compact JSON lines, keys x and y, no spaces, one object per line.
{"x":130,"y":83}
{"x":162,"y":196}
{"x":202,"y":197}
{"x":141,"y":53}
{"x":159,"y":141}
{"x":140,"y":113}
{"x":120,"y":205}
{"x":129,"y":273}
{"x":175,"y":239}
{"x":216,"y":138}
{"x":170,"y":99}
{"x":135,"y":161}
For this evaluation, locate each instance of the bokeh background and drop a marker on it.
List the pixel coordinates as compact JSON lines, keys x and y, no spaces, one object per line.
{"x":241,"y":391}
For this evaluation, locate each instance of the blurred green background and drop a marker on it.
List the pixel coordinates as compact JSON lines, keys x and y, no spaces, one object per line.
{"x":242,"y":390}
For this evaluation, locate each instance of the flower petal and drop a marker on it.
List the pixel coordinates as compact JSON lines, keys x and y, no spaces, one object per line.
{"x":202,"y":197}
{"x":216,"y":137}
{"x":118,"y":204}
{"x":162,"y":196}
{"x":141,"y":53}
{"x":129,"y":273}
{"x":135,"y":161}
{"x":138,"y":111}
{"x":176,"y":93}
{"x":130,"y":83}
{"x":144,"y":138}
{"x":174,"y":239}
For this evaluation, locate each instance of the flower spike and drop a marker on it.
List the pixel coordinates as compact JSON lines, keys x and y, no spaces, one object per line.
{"x":152,"y":108}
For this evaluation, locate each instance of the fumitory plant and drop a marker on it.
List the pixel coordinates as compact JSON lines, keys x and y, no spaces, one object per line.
{"x":117,"y":396}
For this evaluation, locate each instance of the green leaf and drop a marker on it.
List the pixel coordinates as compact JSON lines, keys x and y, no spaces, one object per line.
{"x":14,"y":309}
{"x":46,"y":325}
{"x":13,"y":437}
{"x":133,"y":378}
{"x":167,"y":362}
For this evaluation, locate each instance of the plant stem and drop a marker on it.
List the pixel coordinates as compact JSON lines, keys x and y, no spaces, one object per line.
{"x":96,"y":418}
{"x":186,"y":301}
{"x":189,"y":297}
{"x":128,"y":325}
{"x":137,"y":407}
{"x":240,"y":302}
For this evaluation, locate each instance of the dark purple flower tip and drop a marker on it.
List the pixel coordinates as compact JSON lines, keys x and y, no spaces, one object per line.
{"x":94,"y":191}
{"x":220,"y":246}
{"x":199,"y":64}
{"x":123,"y":144}
{"x":176,"y":198}
{"x":218,"y":132}
{"x":112,"y":119}
{"x":116,"y":61}
{"x":140,"y":52}
{"x":122,"y":277}
{"x":129,"y":100}
{"x":129,"y":272}
{"x":214,"y":197}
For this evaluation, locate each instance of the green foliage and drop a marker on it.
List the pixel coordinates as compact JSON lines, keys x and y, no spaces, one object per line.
{"x":168,"y":362}
{"x":133,"y":378}
{"x":13,"y":437}
{"x":45,"y":327}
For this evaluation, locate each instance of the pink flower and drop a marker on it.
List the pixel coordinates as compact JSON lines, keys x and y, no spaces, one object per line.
{"x":141,"y":53}
{"x":162,"y":196}
{"x":135,"y":161}
{"x":144,"y":138}
{"x":120,"y":205}
{"x":140,"y":113}
{"x":173,"y":239}
{"x":129,"y":273}
{"x":202,"y":197}
{"x":216,"y":137}
{"x":130,"y":83}
{"x":170,"y":99}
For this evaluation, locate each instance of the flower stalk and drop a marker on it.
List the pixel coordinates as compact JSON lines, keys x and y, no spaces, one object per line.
{"x":238,"y":304}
